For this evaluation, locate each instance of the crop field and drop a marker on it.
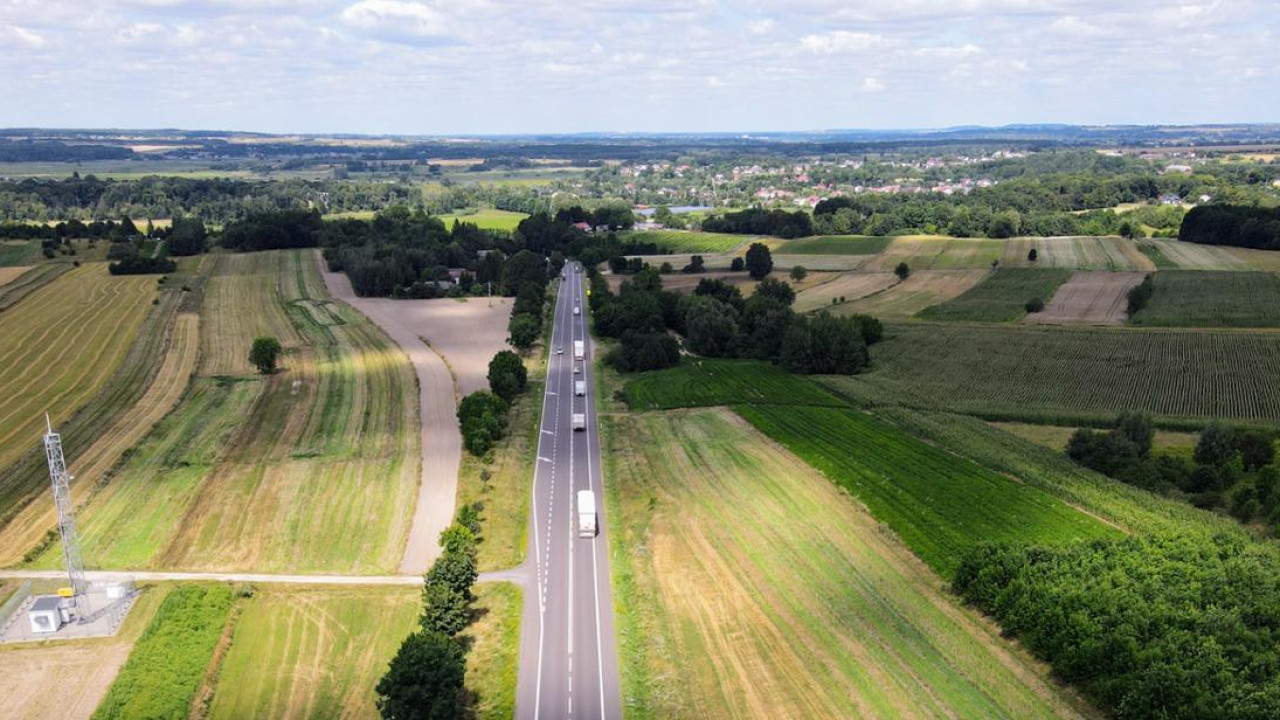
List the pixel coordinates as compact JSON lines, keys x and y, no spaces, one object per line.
{"x":1077,"y":253}
{"x":1190,"y":256}
{"x":1090,"y":297}
{"x":312,"y":469}
{"x":750,"y":586}
{"x":1158,"y":259}
{"x":919,"y":291}
{"x":1047,"y":375}
{"x":833,"y":245}
{"x":241,"y":303}
{"x":170,"y":660}
{"x":486,"y":219}
{"x":1189,"y":298}
{"x":940,"y":505}
{"x":846,"y":287}
{"x":1001,"y":297}
{"x":1266,"y":260}
{"x":26,"y":281}
{"x":934,"y":252}
{"x":710,"y":382}
{"x":829,"y":263}
{"x":59,"y":347}
{"x":25,"y":252}
{"x":312,"y":653}
{"x":93,"y":465}
{"x":683,"y":241}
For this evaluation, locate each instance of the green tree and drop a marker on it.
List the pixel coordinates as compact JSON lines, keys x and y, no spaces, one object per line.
{"x":737,"y":265}
{"x":524,"y":329}
{"x":776,"y":289}
{"x":903,"y":271}
{"x":507,"y":375}
{"x":424,"y":681}
{"x":457,"y":570}
{"x":1216,"y":445}
{"x":1035,"y":305}
{"x":1032,"y":255}
{"x":711,"y":327}
{"x":798,"y":272}
{"x":759,"y":261}
{"x":264,"y":353}
{"x":444,"y":610}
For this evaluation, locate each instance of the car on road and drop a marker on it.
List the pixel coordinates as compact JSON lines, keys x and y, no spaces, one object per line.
{"x":560,"y":350}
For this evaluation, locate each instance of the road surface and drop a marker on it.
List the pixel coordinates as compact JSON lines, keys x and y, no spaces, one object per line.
{"x":568,"y":650}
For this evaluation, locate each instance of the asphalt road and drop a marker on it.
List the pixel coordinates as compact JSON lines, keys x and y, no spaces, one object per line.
{"x":568,"y":650}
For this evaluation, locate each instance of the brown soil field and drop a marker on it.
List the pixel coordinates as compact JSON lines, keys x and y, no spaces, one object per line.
{"x":80,"y":672}
{"x":1090,"y":297}
{"x":851,"y":286}
{"x":9,"y":274}
{"x":93,"y":465}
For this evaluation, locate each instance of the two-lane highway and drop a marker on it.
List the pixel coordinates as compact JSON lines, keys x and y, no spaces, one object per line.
{"x":568,"y":651}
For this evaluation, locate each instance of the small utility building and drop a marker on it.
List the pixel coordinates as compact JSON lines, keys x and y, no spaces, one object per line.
{"x":45,"y":614}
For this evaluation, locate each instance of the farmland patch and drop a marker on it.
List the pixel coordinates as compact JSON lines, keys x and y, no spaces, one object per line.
{"x":919,"y":291}
{"x":1001,"y":297}
{"x":1212,"y":299}
{"x":1089,"y":298}
{"x":846,"y":287}
{"x":833,"y":245}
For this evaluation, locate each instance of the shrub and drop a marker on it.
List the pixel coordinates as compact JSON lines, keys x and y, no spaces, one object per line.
{"x":1035,"y":305}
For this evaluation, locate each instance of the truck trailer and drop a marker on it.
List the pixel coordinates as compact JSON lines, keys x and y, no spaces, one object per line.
{"x":579,"y":421}
{"x":579,"y":349}
{"x":586,"y":514}
{"x":579,"y":387}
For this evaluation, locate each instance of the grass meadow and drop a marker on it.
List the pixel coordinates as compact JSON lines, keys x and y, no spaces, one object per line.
{"x":1001,"y":297}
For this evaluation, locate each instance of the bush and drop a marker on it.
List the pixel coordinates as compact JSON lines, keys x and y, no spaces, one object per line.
{"x":525,"y":329}
{"x":759,"y":261}
{"x":1035,"y":305}
{"x":482,"y":417}
{"x":1140,"y":294}
{"x":737,"y":265}
{"x":903,"y":271}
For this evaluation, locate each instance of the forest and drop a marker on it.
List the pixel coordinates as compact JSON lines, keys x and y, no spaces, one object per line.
{"x":1235,"y":225}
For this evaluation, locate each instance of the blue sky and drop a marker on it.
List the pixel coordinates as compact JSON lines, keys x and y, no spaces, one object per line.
{"x":508,"y":66}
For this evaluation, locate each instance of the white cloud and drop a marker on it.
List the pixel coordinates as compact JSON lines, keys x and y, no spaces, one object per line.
{"x":761,"y":27}
{"x":397,"y":19}
{"x":24,"y":36}
{"x":872,"y":85}
{"x":841,"y":41}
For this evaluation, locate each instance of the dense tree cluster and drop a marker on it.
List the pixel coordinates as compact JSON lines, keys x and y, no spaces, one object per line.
{"x":1235,"y":225}
{"x":716,"y":321}
{"x":508,"y":376}
{"x":278,"y":230}
{"x":1232,"y":469}
{"x":135,"y":264}
{"x":756,"y":221}
{"x":56,"y":151}
{"x":482,"y":417}
{"x":1178,"y":627}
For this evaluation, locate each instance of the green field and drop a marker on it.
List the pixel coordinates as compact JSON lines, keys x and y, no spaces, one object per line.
{"x":169,"y":662}
{"x":24,"y":252}
{"x":486,"y":219}
{"x":833,"y":245}
{"x":708,"y":382}
{"x":1152,"y":251}
{"x":939,"y":504}
{"x":680,"y":241}
{"x":1065,"y":376}
{"x":1002,"y":297}
{"x":311,"y":652}
{"x":747,"y":585}
{"x":1190,"y":298}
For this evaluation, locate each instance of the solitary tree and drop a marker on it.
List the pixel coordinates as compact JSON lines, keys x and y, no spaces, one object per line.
{"x":903,"y":271}
{"x":798,"y":273}
{"x":1032,"y":255}
{"x":264,"y":353}
{"x":737,"y":265}
{"x":759,"y":261}
{"x":524,"y":329}
{"x":424,"y":680}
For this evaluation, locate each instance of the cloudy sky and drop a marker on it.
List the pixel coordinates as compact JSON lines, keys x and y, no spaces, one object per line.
{"x":518,"y":66}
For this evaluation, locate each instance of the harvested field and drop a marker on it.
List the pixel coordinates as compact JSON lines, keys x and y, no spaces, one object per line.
{"x":1090,"y":297}
{"x":1077,"y":253}
{"x":832,"y":245}
{"x":312,"y":653}
{"x":919,"y":291}
{"x":682,"y":283}
{"x":850,"y":286}
{"x":9,"y":274}
{"x":1268,"y":260}
{"x":93,"y":466}
{"x":24,"y":283}
{"x":1190,"y":256}
{"x":240,"y":304}
{"x":59,"y":347}
{"x":463,"y":337}
{"x":835,"y":620}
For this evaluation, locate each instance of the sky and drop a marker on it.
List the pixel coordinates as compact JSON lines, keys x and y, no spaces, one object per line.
{"x":459,"y":67}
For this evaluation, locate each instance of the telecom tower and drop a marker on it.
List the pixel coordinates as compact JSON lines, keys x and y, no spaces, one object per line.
{"x":66,"y":519}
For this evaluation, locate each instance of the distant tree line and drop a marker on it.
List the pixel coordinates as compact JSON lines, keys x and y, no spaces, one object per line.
{"x":756,"y":221}
{"x":1171,"y":627}
{"x":1232,"y":469}
{"x":1234,"y":225}
{"x":55,"y":151}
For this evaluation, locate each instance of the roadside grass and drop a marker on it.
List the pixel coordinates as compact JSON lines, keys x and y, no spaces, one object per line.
{"x":493,"y":655}
{"x":1189,"y":298}
{"x":1073,"y":376}
{"x":940,"y":505}
{"x":748,"y":585}
{"x":1001,"y":297}
{"x":833,"y":245}
{"x":169,"y":661}
{"x":683,"y":241}
{"x":485,"y":218}
{"x":312,"y":652}
{"x":708,"y":382}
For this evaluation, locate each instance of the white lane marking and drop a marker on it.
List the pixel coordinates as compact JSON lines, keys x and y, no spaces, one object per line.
{"x":547,"y":432}
{"x":545,"y":459}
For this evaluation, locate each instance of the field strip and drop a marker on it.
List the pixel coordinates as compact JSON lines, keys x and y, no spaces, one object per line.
{"x":157,"y":575}
{"x":92,"y":466}
{"x":441,"y":453}
{"x":9,"y":274}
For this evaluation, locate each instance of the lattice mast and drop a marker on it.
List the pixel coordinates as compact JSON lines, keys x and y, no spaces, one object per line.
{"x":66,"y":518}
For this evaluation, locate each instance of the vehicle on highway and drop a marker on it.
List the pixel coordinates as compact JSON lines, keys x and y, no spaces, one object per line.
{"x":560,"y":350}
{"x":579,"y":387}
{"x":577,"y":310}
{"x":579,"y":349}
{"x":586,"y":514}
{"x":579,"y":421}
{"x":576,"y":369}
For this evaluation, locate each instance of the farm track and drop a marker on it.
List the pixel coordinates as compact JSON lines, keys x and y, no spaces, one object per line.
{"x":93,"y":466}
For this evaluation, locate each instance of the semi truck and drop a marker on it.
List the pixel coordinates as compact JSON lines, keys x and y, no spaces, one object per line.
{"x":579,"y":349}
{"x":579,"y":421}
{"x":586,"y":514}
{"x":579,"y":387}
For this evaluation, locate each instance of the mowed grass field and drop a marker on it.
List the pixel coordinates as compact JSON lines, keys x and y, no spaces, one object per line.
{"x":1052,"y":374}
{"x":846,"y":287}
{"x":832,"y":245}
{"x":750,"y":586}
{"x":1001,"y":297}
{"x":60,"y":345}
{"x":486,"y":219}
{"x":1190,"y":256}
{"x":18,"y":282}
{"x":1212,"y":299}
{"x":313,"y":468}
{"x":684,"y":241}
{"x":303,"y":652}
{"x":21,"y":252}
{"x":907,"y":298}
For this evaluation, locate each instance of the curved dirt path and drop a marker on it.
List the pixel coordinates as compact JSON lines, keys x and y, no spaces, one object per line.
{"x":441,"y":440}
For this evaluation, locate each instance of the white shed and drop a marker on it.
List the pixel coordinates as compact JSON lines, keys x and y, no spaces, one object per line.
{"x":46,"y":617}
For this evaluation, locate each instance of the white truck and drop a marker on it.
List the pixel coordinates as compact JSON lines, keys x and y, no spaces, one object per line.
{"x":577,"y":310}
{"x":579,"y":387}
{"x":579,"y":421}
{"x":579,"y":349}
{"x":586,"y":514}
